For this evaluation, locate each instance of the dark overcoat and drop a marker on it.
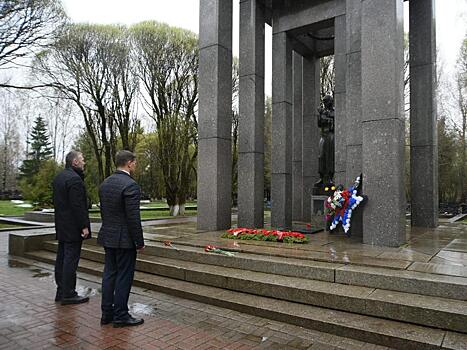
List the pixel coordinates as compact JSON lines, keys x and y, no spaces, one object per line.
{"x":71,"y":206}
{"x":119,"y":198}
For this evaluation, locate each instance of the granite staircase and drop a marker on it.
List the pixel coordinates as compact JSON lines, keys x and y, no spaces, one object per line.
{"x":387,"y":306}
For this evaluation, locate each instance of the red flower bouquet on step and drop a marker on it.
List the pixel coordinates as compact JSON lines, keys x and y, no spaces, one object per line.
{"x":265,"y":235}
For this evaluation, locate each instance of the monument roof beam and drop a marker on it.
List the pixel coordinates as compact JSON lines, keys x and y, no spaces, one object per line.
{"x":291,"y":14}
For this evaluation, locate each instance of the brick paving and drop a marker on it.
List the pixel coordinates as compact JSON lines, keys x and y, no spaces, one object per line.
{"x":30,"y":319}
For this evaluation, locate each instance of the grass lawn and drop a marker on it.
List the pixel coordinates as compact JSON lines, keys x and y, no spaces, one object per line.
{"x":8,"y":208}
{"x":5,"y":226}
{"x":163,"y":204}
{"x":152,"y":215}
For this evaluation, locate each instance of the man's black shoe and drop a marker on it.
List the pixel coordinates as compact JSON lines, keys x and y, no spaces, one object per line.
{"x":106,"y":320}
{"x":58,"y":298}
{"x":74,"y":300}
{"x":128,"y":322}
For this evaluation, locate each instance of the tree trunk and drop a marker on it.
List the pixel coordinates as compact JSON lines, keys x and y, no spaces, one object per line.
{"x":181,"y":211}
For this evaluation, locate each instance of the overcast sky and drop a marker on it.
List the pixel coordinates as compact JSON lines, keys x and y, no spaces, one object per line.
{"x":451,"y":21}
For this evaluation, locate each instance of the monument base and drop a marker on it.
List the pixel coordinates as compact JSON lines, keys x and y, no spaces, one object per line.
{"x":317,"y":208}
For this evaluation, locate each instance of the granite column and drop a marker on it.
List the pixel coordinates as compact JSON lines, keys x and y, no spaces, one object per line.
{"x":251,"y":121}
{"x":281,"y":169}
{"x":423,"y":129}
{"x":215,"y":111}
{"x":383,"y":122}
{"x":297,"y":176}
{"x":353,"y":123}
{"x":310,"y":133}
{"x":340,"y":64}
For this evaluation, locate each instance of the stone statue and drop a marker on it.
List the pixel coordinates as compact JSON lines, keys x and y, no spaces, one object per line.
{"x":326,"y":143}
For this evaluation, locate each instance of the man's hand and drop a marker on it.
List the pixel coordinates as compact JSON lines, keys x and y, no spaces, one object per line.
{"x":85,"y":233}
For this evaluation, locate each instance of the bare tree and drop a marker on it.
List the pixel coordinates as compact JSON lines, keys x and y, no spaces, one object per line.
{"x":86,"y":65}
{"x":26,"y":26}
{"x":461,"y":80}
{"x":9,"y":141}
{"x":167,"y":60}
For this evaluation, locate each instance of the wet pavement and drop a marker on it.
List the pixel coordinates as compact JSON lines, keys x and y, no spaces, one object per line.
{"x":30,"y":319}
{"x":442,"y":250}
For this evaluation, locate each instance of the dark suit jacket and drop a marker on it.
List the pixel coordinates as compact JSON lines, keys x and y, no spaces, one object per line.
{"x":71,"y":206}
{"x":121,"y":227}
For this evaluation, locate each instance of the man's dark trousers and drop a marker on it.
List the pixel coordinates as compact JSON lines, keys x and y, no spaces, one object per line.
{"x":116,"y":282}
{"x":68,"y":255}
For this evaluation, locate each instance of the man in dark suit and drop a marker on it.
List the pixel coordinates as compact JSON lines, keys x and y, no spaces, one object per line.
{"x":71,"y":226}
{"x":121,"y":235}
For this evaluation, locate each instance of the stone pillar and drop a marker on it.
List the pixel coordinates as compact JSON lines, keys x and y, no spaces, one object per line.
{"x":353,"y":93}
{"x":310,"y":134}
{"x":251,"y":121}
{"x":383,"y":122}
{"x":423,"y":128}
{"x":281,"y":169}
{"x":297,"y":176}
{"x":215,"y":114}
{"x":340,"y":64}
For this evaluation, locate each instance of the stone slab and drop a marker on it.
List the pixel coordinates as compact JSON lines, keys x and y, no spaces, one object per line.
{"x":20,"y":244}
{"x":455,"y":341}
{"x":382,"y":59}
{"x":215,"y":92}
{"x":214,"y":184}
{"x":282,"y":68}
{"x":281,"y":201}
{"x":281,"y":138}
{"x":383,"y":176}
{"x":424,"y":186}
{"x":215,"y":23}
{"x":295,"y":14}
{"x":252,"y":32}
{"x":441,"y":269}
{"x":250,"y":190}
{"x":404,"y":281}
{"x":251,"y":114}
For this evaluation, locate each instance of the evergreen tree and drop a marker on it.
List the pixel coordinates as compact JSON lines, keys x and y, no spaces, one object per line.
{"x":40,"y":149}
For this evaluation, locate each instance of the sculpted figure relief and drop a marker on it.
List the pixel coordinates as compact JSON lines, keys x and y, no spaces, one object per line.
{"x":326,"y":142}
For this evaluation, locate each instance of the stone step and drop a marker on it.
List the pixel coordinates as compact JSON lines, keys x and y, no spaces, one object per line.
{"x":370,"y":329}
{"x":424,"y":310}
{"x":296,"y":251}
{"x":450,"y":287}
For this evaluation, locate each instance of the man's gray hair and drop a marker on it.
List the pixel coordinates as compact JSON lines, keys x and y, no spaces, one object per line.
{"x":70,"y":157}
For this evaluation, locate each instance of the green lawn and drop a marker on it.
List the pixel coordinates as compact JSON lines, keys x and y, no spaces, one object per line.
{"x":5,"y":226}
{"x":152,"y":215}
{"x":7,"y":208}
{"x":163,"y":204}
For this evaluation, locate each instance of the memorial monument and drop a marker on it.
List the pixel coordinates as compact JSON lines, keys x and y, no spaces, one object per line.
{"x":366,"y":39}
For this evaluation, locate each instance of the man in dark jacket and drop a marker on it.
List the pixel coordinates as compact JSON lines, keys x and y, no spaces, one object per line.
{"x":121,"y":235}
{"x":71,"y":226}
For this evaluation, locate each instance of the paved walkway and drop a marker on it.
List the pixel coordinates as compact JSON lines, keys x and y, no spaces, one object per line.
{"x":29,"y":319}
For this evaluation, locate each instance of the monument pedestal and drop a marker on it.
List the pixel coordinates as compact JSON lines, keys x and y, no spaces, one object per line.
{"x":317,"y":208}
{"x":317,"y":204}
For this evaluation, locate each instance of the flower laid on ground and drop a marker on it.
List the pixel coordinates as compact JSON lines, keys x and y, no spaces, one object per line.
{"x":213,"y":249}
{"x":265,"y":235}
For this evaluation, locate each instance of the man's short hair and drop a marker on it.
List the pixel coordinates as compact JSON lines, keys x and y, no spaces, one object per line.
{"x":123,"y":157}
{"x":70,"y":157}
